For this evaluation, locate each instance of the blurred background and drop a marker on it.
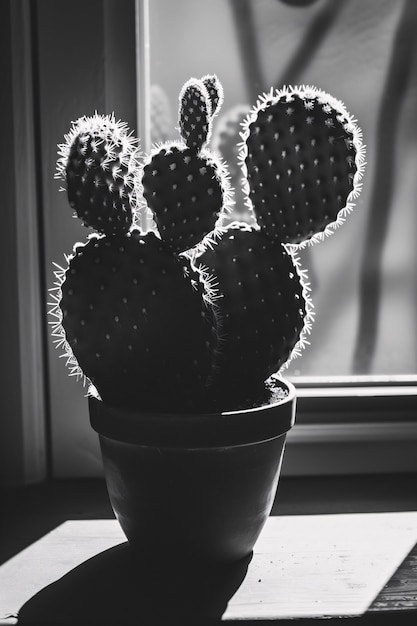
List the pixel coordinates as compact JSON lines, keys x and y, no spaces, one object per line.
{"x":63,"y":59}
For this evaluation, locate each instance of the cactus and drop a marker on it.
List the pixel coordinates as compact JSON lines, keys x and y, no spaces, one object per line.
{"x":199,"y":315}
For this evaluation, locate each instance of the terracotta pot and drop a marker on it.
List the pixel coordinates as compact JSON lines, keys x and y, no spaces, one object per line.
{"x":193,"y":486}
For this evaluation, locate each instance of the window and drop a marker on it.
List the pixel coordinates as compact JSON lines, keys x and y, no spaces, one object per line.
{"x":357,"y":380}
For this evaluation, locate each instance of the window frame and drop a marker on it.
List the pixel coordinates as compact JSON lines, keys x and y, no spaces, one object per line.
{"x":376,"y":415}
{"x":23,"y":446}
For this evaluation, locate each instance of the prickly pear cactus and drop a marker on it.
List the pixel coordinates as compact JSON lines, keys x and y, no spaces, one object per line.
{"x":200,"y":315}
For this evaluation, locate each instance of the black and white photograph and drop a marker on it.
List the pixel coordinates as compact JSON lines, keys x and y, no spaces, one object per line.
{"x":208,"y":312}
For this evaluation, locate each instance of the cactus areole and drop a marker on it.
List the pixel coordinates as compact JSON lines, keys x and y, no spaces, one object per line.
{"x":201,"y":313}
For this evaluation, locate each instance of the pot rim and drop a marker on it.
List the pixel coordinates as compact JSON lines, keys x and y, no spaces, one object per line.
{"x":195,"y":430}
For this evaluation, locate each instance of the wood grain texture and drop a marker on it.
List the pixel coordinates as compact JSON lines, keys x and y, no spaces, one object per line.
{"x":400,"y":593}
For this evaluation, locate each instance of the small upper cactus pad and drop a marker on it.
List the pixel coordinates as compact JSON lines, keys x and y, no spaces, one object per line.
{"x":185,"y":192}
{"x":98,"y":162}
{"x":303,"y":157}
{"x":215,"y":92}
{"x":194,"y":114}
{"x":186,"y":185}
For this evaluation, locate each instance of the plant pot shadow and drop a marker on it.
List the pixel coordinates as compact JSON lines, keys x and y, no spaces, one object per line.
{"x":116,"y":587}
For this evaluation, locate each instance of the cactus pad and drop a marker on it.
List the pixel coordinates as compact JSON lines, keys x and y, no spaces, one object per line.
{"x":215,"y":92}
{"x":194,"y":114}
{"x":137,"y":322}
{"x":263,"y":309}
{"x":186,"y":194}
{"x":98,"y":163}
{"x":303,"y":156}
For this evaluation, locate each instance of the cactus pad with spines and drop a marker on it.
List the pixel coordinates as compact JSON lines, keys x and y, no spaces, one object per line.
{"x":137,"y":322}
{"x":264,"y":308}
{"x":215,"y":92}
{"x":194,"y":114}
{"x":300,"y":150}
{"x":186,"y":193}
{"x":98,"y":162}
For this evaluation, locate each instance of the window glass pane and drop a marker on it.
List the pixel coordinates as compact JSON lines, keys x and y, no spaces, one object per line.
{"x":364,"y":53}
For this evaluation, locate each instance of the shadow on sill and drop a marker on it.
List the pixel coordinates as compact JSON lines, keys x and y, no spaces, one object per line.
{"x":114,"y":588}
{"x":109,"y":589}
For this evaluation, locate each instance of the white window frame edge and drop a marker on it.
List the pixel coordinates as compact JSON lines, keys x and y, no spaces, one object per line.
{"x":343,"y":449}
{"x":143,"y":78}
{"x":380,"y":422}
{"x":29,"y":320}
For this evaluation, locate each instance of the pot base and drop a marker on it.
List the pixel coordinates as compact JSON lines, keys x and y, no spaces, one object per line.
{"x":196,"y":495}
{"x":194,"y":504}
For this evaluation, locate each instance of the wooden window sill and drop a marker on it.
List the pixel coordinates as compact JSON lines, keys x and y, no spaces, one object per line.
{"x":357,"y":564}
